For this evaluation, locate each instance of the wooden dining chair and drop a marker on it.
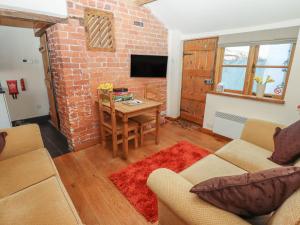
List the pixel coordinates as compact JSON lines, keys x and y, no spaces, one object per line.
{"x":111,"y":126}
{"x":147,"y":122}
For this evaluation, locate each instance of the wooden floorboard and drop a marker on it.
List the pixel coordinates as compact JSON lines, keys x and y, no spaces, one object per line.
{"x":85,"y":176}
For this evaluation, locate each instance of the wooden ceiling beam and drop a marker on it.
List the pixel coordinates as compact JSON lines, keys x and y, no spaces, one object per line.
{"x":13,"y":14}
{"x":143,"y":2}
{"x":7,"y":21}
{"x":38,"y":22}
{"x":40,"y":28}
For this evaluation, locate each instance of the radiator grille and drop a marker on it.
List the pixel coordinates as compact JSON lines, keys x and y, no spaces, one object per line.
{"x":234,"y":118}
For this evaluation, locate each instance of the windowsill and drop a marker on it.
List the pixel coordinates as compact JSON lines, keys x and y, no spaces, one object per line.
{"x":250,"y":97}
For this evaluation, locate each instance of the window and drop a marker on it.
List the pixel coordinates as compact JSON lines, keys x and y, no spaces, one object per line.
{"x":273,"y":61}
{"x":238,"y":66}
{"x":234,"y":68}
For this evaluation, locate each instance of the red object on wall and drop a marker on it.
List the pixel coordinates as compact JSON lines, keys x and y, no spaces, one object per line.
{"x":23,"y":87}
{"x":13,"y":88}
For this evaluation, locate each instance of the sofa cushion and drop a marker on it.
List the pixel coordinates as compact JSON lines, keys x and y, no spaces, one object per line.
{"x":250,"y":194}
{"x":289,"y":212}
{"x":21,"y":139}
{"x":260,"y":133}
{"x":209,"y":167}
{"x":43,"y":203}
{"x":287,"y":144}
{"x":24,"y":170}
{"x":247,"y":156}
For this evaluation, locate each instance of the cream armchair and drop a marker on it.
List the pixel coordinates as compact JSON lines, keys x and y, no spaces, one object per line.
{"x":177,"y":206}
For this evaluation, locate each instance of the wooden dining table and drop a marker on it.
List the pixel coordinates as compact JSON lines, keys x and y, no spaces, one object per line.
{"x":125,"y":112}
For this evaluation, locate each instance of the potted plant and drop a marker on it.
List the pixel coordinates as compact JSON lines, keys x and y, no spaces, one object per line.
{"x":261,"y":85}
{"x":105,"y":87}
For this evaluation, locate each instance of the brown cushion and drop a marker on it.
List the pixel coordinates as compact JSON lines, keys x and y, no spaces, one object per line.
{"x":287,"y":144}
{"x":2,"y":140}
{"x":250,"y":194}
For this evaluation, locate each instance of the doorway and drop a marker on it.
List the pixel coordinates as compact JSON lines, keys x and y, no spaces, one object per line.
{"x":25,"y":61}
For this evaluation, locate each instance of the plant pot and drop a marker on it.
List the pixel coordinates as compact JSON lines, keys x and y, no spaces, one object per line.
{"x":260,"y":90}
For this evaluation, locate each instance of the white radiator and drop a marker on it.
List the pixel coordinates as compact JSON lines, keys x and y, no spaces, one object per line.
{"x":229,"y":125}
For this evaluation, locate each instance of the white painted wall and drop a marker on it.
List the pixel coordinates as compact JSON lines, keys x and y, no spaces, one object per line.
{"x":17,"y":44}
{"x":175,"y":48}
{"x":284,"y":114}
{"x":56,"y":8}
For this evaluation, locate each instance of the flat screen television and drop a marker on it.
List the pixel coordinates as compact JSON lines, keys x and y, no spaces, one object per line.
{"x":148,"y":66}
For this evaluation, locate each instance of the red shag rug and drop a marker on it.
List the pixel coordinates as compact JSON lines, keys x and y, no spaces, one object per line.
{"x":131,"y":181}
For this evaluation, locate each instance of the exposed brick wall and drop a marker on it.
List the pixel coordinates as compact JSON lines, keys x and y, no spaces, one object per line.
{"x":77,"y":72}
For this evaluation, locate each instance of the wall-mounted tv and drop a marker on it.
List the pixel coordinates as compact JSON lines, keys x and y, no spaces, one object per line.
{"x":148,"y":66}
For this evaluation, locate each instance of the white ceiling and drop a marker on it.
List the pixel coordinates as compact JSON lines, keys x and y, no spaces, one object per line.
{"x":201,"y":16}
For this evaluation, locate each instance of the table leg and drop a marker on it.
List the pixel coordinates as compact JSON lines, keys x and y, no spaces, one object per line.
{"x":125,"y":136}
{"x":157,"y":124}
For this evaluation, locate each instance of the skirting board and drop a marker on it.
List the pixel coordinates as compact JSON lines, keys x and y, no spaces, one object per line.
{"x":210,"y":132}
{"x":172,"y":118}
{"x":39,"y":119}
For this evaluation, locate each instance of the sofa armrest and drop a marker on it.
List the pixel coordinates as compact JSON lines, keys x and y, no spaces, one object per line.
{"x":173,"y":190}
{"x":21,"y":139}
{"x":260,"y":133}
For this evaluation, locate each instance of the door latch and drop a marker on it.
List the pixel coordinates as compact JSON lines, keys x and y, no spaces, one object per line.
{"x":208,"y":82}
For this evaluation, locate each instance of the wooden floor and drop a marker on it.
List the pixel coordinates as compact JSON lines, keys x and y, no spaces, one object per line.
{"x":84,"y":174}
{"x":54,"y":141}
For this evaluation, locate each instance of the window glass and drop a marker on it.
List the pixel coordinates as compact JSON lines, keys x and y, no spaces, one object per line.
{"x":274,"y":55}
{"x":236,"y":55}
{"x":233,"y":78}
{"x":277,"y":74}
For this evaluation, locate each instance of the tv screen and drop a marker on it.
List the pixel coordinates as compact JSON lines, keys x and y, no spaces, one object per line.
{"x":149,"y":66}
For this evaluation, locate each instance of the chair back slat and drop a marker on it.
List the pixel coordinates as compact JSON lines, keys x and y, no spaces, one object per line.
{"x":110,"y":109}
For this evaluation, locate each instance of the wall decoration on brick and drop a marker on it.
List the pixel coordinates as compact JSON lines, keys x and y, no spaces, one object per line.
{"x":99,"y":29}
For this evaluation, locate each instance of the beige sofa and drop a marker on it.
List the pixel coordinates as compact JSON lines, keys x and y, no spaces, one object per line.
{"x":177,"y":206}
{"x":31,"y":192}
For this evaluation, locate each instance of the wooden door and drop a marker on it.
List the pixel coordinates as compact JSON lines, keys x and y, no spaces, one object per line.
{"x":197,"y":76}
{"x":48,"y":81}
